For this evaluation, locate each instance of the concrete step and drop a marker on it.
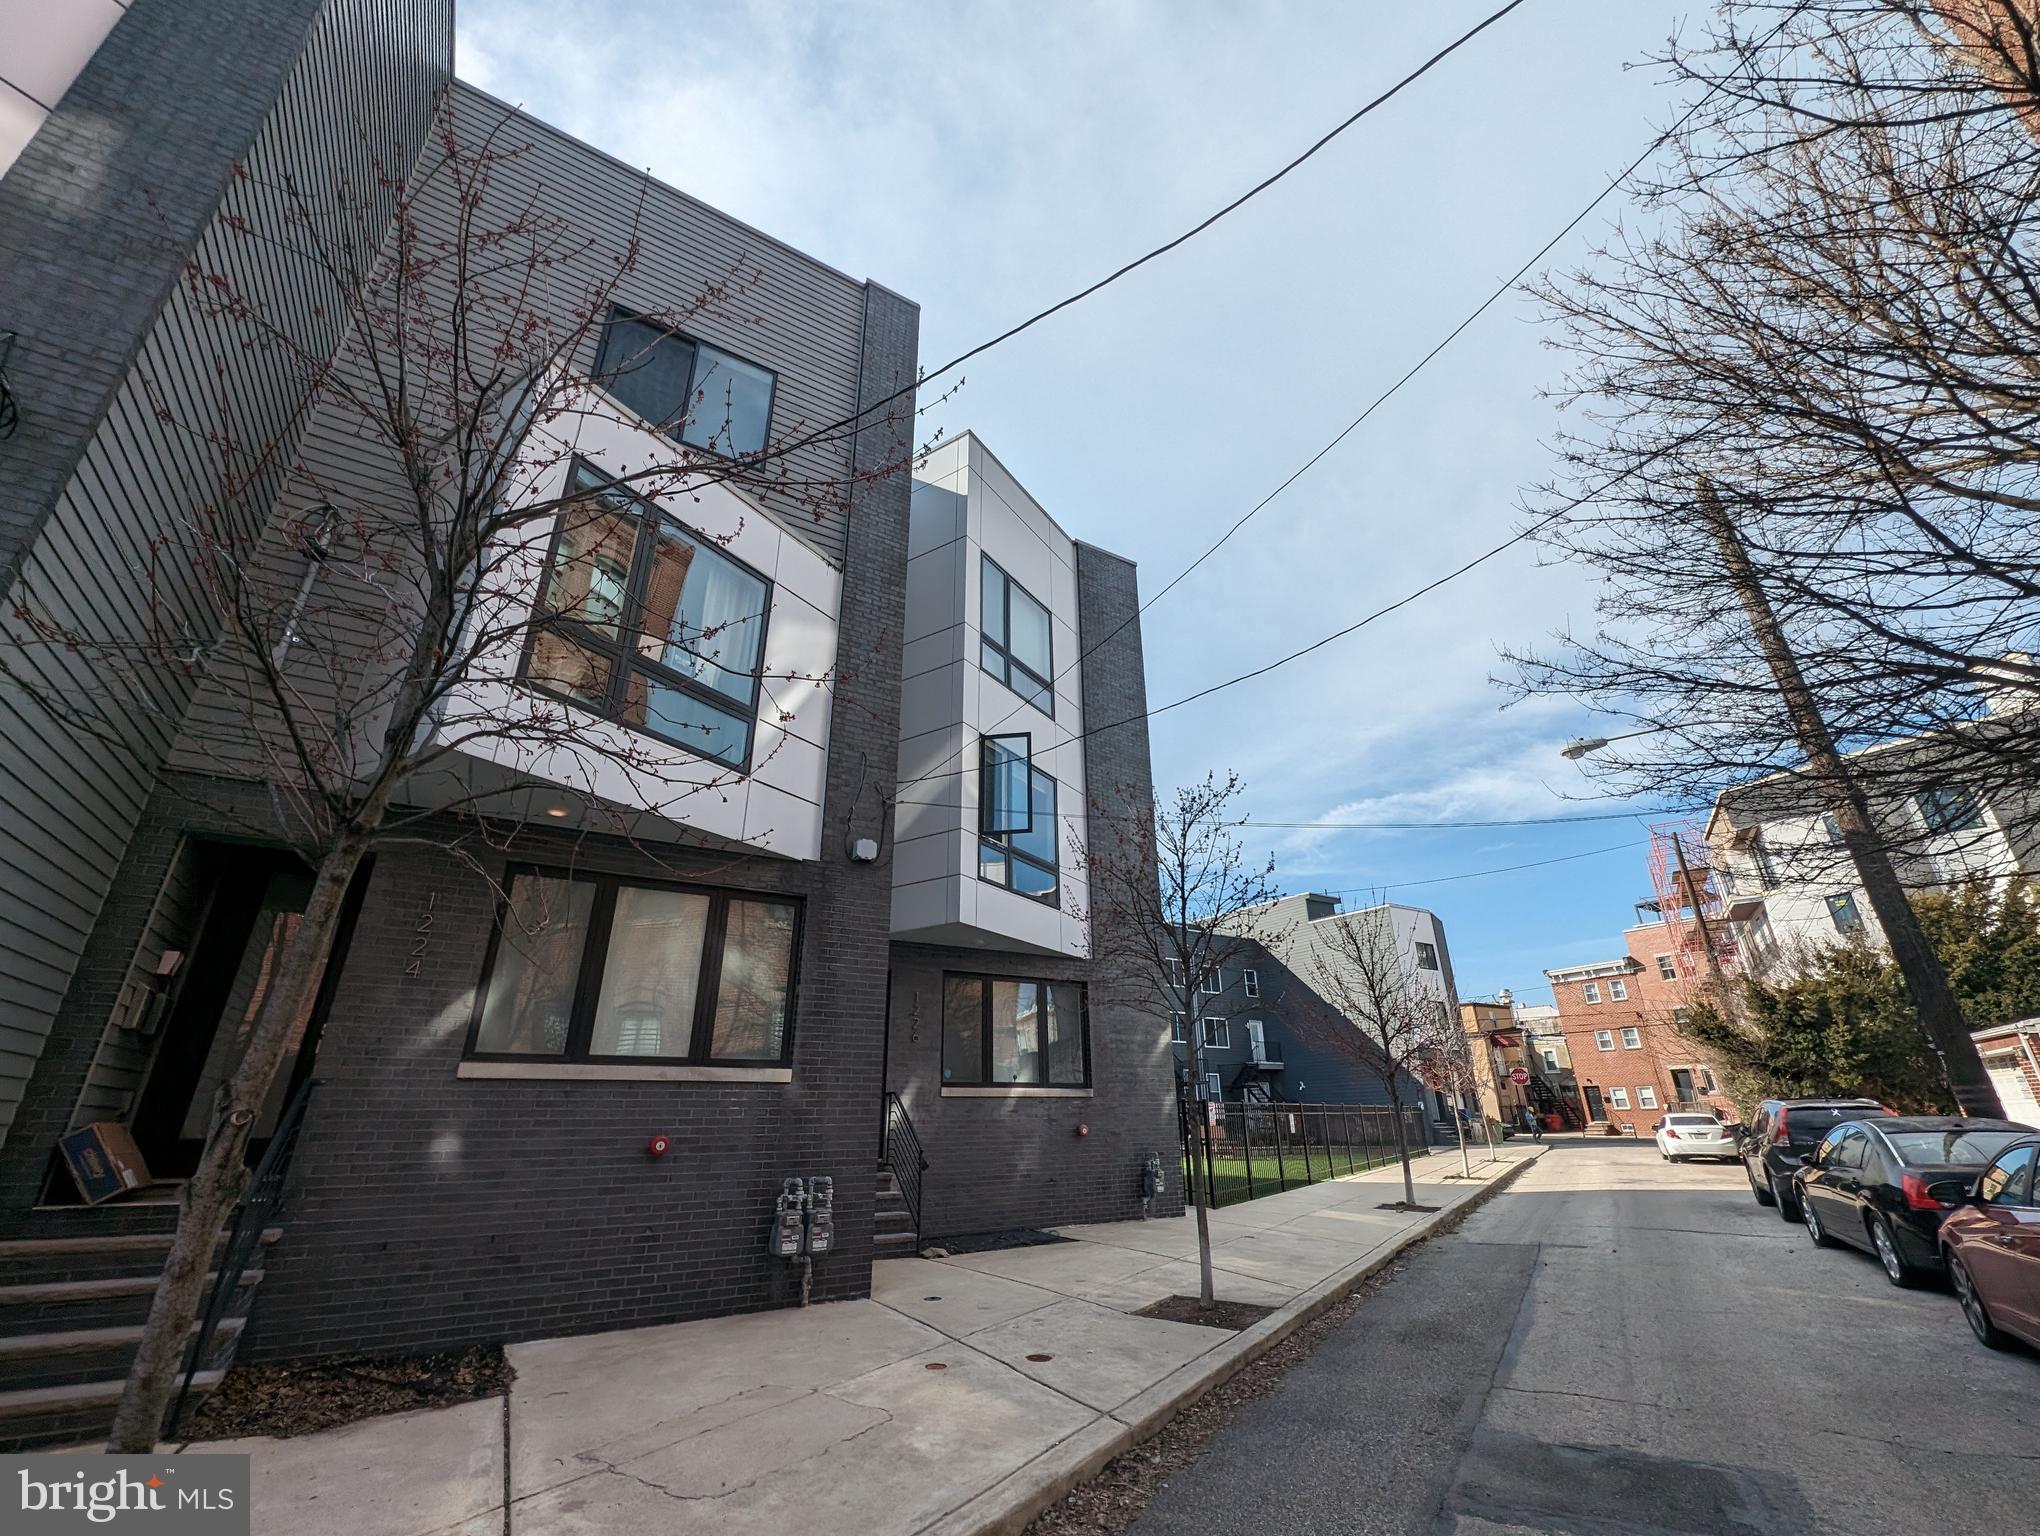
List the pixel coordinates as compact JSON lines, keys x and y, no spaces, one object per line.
{"x":91,"y":1354}
{"x":39,"y":1417}
{"x":887,"y":1219}
{"x":895,"y":1245}
{"x":69,"y":1305}
{"x":98,"y":1256}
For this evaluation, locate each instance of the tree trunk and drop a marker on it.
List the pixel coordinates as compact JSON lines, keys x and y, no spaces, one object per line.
{"x":1199,"y":1141}
{"x":1402,"y":1149}
{"x":1926,"y":982}
{"x":208,"y":1199}
{"x":1459,"y":1129}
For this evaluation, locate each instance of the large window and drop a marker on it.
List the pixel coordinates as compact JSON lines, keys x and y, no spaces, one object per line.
{"x":1842,"y":912}
{"x":701,"y":395}
{"x":1015,"y":646}
{"x":645,"y":622}
{"x":1217,"y":1035}
{"x":1000,"y":1031}
{"x":1427,"y":956}
{"x":600,"y":969}
{"x":1949,"y":808}
{"x":1023,"y":859}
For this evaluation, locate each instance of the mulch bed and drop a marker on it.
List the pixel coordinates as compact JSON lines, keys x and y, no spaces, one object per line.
{"x":1404,"y":1205}
{"x":992,"y":1242}
{"x":287,"y":1400}
{"x":1117,"y":1496}
{"x":1234,"y":1315}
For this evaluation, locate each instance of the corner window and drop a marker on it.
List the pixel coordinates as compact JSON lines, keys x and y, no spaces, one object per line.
{"x":1014,"y":644}
{"x":1004,"y":1030}
{"x":1646,"y":1098}
{"x":646,"y":623}
{"x":1949,"y":808}
{"x":1842,"y":912}
{"x":1024,"y":861}
{"x":1665,"y":969}
{"x":1604,"y":1039}
{"x":694,"y":393}
{"x":1632,"y":1039}
{"x":599,"y":969}
{"x":1618,"y":989}
{"x":1427,"y":956}
{"x":1217,"y":1035}
{"x":1619,"y":1097}
{"x":1251,"y":980}
{"x":1591,"y":992}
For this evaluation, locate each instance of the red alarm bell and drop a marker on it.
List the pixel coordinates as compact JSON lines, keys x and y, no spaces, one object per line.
{"x":658,"y":1144}
{"x":1083,"y":1129}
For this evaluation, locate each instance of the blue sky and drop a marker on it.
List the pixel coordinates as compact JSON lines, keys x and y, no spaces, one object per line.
{"x":989,"y":158}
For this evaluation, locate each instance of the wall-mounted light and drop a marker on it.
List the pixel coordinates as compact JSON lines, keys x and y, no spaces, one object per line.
{"x":556,"y":810}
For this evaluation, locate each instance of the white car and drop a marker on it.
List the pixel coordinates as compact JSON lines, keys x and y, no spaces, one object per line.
{"x":1681,"y":1136}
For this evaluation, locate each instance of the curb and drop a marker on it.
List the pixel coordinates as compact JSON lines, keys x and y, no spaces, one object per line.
{"x":1005,"y":1508}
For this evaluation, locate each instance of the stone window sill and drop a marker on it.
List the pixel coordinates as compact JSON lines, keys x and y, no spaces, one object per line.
{"x":1017,"y":1091}
{"x":619,"y":1072}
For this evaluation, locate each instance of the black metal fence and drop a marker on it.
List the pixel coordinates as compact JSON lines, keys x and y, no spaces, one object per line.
{"x":1243,"y":1151}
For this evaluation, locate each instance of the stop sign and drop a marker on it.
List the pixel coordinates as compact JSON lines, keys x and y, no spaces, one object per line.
{"x":1519,"y":1075}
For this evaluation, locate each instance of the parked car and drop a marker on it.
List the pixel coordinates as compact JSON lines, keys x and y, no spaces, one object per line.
{"x":1884,"y":1184}
{"x":1781,"y":1135}
{"x":1991,"y":1245}
{"x":1693,"y":1135}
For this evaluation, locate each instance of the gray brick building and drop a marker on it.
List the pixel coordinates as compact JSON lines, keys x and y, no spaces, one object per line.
{"x":520,"y":1002}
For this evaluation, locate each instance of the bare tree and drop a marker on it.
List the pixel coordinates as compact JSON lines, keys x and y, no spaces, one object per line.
{"x":1176,"y":901}
{"x":1810,"y":458}
{"x":375,"y":648}
{"x":1362,"y":971}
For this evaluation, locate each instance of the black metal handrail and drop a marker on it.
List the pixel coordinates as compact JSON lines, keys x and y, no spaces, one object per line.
{"x":261,"y":1201}
{"x":901,"y":1152}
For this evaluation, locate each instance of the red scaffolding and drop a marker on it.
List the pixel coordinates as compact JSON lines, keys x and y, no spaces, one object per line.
{"x":1688,"y":898}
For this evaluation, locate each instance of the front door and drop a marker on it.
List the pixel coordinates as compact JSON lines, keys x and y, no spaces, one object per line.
{"x":1257,"y":1040}
{"x":1682,"y":1085}
{"x":258,"y":901}
{"x":1594,"y":1110}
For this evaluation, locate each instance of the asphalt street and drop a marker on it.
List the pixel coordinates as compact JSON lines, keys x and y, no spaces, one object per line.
{"x":1620,"y":1345}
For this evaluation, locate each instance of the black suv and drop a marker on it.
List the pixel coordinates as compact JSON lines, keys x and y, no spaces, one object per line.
{"x":1783,"y":1133}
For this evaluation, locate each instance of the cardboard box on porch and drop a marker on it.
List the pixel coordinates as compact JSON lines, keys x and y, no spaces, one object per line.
{"x":104,"y":1160}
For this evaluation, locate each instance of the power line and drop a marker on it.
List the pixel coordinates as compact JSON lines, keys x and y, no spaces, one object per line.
{"x":1372,"y":826}
{"x":1163,"y":249}
{"x":1477,"y":874}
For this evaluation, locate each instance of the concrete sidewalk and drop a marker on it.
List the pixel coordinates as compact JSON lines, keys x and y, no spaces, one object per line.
{"x":965,"y":1395}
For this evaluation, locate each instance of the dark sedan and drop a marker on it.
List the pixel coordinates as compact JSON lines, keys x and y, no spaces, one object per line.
{"x":1884,"y":1184}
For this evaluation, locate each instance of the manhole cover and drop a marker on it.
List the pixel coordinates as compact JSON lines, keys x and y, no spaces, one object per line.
{"x":934,"y":1365}
{"x":1038,"y":1359}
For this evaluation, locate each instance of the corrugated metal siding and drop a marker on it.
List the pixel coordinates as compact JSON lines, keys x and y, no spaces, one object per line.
{"x":103,"y":557}
{"x":799,"y":318}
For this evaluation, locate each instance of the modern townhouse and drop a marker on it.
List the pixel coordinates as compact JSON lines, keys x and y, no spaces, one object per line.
{"x":558,"y":1068}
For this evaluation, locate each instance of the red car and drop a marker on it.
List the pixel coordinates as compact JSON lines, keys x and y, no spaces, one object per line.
{"x":1991,"y":1244}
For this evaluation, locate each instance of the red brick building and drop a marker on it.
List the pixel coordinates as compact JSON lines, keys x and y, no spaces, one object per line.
{"x":1618,"y":1016}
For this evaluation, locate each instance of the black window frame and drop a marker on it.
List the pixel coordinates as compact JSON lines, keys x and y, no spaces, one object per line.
{"x":1003,"y":841}
{"x":603,"y":376}
{"x":1946,"y":808}
{"x":985,"y":980}
{"x":1837,"y":904}
{"x":620,"y":650}
{"x":595,"y":956}
{"x":1003,"y":644}
{"x":1426,"y":947}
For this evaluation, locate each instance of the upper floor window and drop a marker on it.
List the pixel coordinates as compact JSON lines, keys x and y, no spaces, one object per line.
{"x":1604,"y":1039}
{"x":1632,"y":1039}
{"x":1212,"y":984}
{"x":1665,"y":969}
{"x":1217,"y":1035}
{"x":1842,"y":912}
{"x":1427,"y":956}
{"x":649,"y":624}
{"x":1767,"y":871}
{"x":1949,"y":808}
{"x":1550,"y":1060}
{"x":1618,"y":989}
{"x":1026,"y":1032}
{"x":1024,"y":859}
{"x":1179,"y":1029}
{"x":1251,"y":980}
{"x":701,"y":395}
{"x":1591,"y":992}
{"x":1174,"y":966}
{"x":1832,"y":828}
{"x":590,"y":969}
{"x":1015,"y":646}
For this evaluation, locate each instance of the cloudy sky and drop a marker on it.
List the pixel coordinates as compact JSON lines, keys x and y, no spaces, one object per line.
{"x":987,"y":158}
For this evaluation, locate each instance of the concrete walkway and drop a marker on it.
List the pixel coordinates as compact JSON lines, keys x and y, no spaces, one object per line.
{"x":966,"y":1394}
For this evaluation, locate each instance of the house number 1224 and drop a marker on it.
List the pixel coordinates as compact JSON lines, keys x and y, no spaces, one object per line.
{"x":421,"y":935}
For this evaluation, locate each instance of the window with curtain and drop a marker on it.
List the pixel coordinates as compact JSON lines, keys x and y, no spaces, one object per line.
{"x":679,"y":973}
{"x":693,"y":392}
{"x":1009,"y":1031}
{"x":650,"y":624}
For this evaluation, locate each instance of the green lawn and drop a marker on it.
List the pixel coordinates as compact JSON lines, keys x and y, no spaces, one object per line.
{"x":1229,"y":1184}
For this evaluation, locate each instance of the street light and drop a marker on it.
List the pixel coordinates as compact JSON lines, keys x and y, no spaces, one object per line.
{"x":1573,"y":751}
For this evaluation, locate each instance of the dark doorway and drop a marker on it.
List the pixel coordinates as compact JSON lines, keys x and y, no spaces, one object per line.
{"x":1594,"y":1110}
{"x":258,"y":900}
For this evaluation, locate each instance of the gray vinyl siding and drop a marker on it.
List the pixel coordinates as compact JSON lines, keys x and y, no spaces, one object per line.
{"x":191,"y":121}
{"x":799,"y":318}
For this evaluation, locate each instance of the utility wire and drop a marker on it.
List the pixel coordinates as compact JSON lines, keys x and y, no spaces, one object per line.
{"x":1477,"y":874}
